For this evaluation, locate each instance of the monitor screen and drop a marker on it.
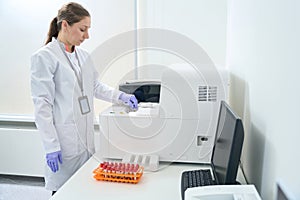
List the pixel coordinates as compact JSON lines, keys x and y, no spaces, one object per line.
{"x":228,"y":145}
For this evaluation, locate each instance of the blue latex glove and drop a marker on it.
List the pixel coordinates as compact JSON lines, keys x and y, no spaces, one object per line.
{"x":130,"y":100}
{"x":53,"y":159}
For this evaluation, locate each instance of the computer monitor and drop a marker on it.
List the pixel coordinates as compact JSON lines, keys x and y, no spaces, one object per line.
{"x":228,"y":145}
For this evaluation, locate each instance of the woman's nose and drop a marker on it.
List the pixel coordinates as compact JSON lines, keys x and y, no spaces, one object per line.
{"x":86,"y":35}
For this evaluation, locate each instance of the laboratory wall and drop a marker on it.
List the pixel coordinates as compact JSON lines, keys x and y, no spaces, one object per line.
{"x":201,"y":21}
{"x":24,"y":29}
{"x":263,"y":56}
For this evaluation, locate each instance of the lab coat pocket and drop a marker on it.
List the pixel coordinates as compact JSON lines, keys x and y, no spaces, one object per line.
{"x":68,"y":138}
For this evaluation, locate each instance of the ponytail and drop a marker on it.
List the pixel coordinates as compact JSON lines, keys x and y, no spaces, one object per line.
{"x":53,"y":30}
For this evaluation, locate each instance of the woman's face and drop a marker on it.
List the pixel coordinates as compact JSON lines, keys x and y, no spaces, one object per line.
{"x":78,"y":32}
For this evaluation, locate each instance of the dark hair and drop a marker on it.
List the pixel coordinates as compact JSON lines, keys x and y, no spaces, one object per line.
{"x":72,"y":13}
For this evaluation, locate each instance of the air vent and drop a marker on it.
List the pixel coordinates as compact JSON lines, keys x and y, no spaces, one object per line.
{"x":202,"y":96}
{"x":207,"y":93}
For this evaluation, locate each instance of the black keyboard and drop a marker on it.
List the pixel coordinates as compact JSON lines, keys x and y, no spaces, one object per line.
{"x":195,"y":178}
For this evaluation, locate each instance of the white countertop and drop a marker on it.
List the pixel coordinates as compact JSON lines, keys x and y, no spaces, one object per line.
{"x":163,"y":184}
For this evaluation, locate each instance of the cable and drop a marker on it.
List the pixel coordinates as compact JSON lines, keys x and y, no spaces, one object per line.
{"x":243,"y":172}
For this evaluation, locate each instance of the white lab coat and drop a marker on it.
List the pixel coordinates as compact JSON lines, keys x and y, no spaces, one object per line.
{"x":55,"y":91}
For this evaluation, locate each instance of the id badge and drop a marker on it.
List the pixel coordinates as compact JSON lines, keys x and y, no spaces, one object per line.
{"x":84,"y":105}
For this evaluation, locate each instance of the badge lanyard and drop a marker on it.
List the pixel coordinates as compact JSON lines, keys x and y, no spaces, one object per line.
{"x":83,"y":100}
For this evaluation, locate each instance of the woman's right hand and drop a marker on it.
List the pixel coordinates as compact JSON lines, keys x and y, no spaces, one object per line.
{"x":53,"y":159}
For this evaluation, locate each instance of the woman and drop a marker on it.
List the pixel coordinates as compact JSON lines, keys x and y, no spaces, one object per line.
{"x":63,"y":84}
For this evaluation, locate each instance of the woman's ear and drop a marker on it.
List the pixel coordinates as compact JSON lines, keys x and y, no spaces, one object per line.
{"x":64,"y":25}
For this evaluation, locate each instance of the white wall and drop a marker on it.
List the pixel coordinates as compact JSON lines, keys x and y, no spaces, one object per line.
{"x":202,"y":21}
{"x":263,"y":54}
{"x":24,"y":28}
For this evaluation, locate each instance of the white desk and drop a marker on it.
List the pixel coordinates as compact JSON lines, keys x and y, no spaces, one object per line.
{"x":164,"y":184}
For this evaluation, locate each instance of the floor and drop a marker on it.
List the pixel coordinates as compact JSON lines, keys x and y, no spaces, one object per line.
{"x":23,"y":188}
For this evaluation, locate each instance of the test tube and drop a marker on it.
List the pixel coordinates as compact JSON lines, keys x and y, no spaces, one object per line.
{"x":105,"y":170}
{"x":132,"y":170}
